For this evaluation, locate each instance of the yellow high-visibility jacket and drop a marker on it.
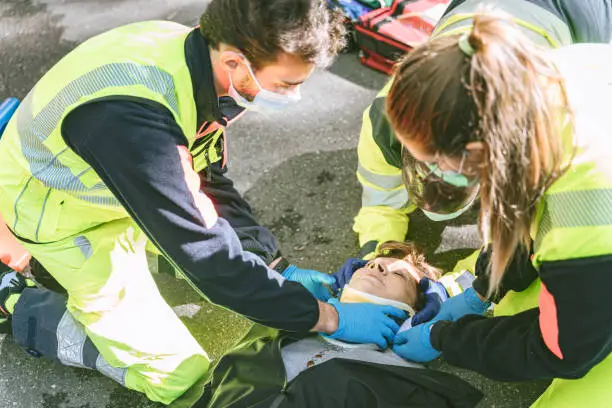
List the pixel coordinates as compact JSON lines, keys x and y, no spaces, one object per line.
{"x":385,"y":202}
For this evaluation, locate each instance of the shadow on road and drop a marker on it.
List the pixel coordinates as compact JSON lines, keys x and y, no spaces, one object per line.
{"x":309,"y":202}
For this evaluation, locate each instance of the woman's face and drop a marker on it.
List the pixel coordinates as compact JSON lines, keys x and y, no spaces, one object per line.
{"x":472,"y":161}
{"x":389,"y":278}
{"x":422,"y":154}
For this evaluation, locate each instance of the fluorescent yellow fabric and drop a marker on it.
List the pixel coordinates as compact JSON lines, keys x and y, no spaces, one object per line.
{"x":575,"y":215}
{"x":537,"y":23}
{"x":86,"y":239}
{"x":381,"y":224}
{"x":385,"y":202}
{"x":452,"y":280}
{"x":206,"y":154}
{"x":385,"y":207}
{"x":47,"y":191}
{"x":574,"y":218}
{"x":516,"y":302}
{"x":468,"y":263}
{"x":593,"y":390}
{"x":111,"y":292}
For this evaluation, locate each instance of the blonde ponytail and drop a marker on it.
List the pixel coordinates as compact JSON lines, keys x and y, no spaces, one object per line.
{"x":505,"y":93}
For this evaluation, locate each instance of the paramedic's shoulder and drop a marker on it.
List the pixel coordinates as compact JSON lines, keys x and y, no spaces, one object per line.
{"x":380,"y":129}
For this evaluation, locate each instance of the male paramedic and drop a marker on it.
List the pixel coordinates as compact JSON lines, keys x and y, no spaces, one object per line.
{"x":121,"y":144}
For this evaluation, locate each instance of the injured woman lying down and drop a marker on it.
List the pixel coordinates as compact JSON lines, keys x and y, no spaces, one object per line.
{"x":275,"y":369}
{"x":269,"y":368}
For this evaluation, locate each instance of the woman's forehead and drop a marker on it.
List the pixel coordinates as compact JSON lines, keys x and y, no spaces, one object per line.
{"x":418,"y":150}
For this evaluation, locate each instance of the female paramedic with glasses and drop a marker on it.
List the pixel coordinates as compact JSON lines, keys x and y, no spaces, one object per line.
{"x":388,"y":199}
{"x":530,"y":126}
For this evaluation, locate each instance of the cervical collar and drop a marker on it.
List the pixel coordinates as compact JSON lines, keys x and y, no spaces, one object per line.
{"x":351,"y":295}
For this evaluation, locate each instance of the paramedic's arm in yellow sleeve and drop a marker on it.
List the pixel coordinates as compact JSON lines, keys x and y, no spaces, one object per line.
{"x":384,"y":206}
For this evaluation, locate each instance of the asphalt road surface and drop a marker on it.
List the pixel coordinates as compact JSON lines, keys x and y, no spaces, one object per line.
{"x":297,"y":169}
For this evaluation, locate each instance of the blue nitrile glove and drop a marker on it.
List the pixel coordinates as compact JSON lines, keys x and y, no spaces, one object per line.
{"x":463,"y":304}
{"x":415,"y":344}
{"x":7,"y":109}
{"x":311,"y":280}
{"x":346,"y":271}
{"x":435,"y":295}
{"x":366,"y":322}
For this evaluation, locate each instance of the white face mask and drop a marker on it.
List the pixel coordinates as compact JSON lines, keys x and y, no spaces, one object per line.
{"x":265,"y":101}
{"x":445,"y":217}
{"x":355,"y":295}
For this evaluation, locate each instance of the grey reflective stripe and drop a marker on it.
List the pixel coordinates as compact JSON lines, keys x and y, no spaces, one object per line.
{"x":84,"y":245}
{"x":573,"y":209}
{"x":278,"y":400}
{"x":524,"y":10}
{"x":115,"y":373}
{"x":45,"y":167}
{"x":70,"y":341}
{"x":396,"y":199}
{"x":34,"y":130}
{"x":465,"y":280}
{"x":387,"y":181}
{"x":301,"y":355}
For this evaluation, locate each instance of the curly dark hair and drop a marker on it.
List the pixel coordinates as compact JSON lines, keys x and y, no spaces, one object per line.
{"x":262,"y":29}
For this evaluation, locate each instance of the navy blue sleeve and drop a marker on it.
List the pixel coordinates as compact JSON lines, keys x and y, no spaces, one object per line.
{"x":590,"y":21}
{"x":137,"y":149}
{"x":233,"y":207}
{"x":519,"y":274}
{"x":567,"y":335}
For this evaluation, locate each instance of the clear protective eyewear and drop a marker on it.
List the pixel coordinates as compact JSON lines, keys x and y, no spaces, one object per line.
{"x":441,"y":194}
{"x":452,"y":177}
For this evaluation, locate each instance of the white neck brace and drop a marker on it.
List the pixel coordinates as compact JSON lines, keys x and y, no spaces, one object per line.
{"x":355,"y":295}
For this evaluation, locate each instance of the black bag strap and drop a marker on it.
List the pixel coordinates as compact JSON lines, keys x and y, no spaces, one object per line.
{"x":396,"y":10}
{"x":400,"y":5}
{"x":386,"y":20}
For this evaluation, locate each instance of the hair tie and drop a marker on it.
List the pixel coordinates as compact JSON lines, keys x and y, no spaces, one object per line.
{"x":465,"y":46}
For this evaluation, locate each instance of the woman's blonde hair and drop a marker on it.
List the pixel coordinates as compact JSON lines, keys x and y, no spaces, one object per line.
{"x":444,"y":98}
{"x":410,"y":253}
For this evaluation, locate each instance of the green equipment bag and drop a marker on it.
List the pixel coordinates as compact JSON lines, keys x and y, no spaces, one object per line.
{"x":377,"y":3}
